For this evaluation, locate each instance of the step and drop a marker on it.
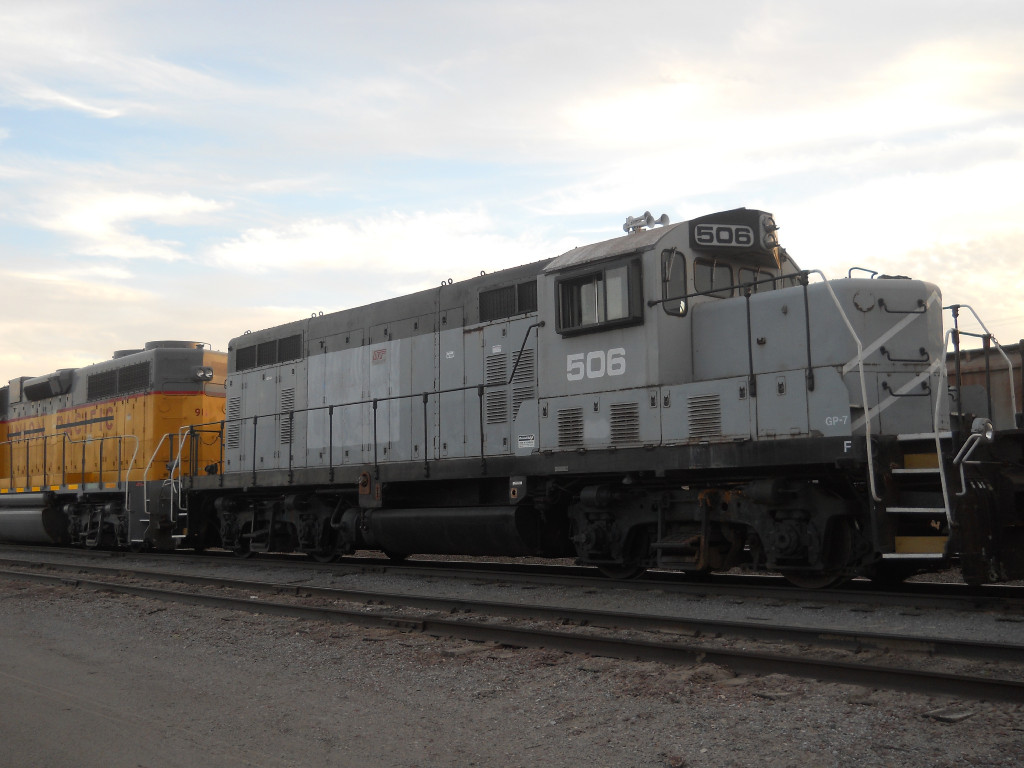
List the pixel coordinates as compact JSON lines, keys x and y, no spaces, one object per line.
{"x":675,"y":546}
{"x":915,"y":436}
{"x":916,"y":471}
{"x":920,"y":545}
{"x":936,"y":511}
{"x":920,"y":461}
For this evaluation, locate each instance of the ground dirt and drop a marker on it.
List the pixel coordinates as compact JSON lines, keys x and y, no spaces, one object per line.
{"x":90,"y":679}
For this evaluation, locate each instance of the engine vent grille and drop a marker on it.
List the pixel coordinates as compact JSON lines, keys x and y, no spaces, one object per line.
{"x":496,"y":372}
{"x":132,"y":378}
{"x":525,"y":377}
{"x":497,"y":368}
{"x":234,"y":426}
{"x":269,"y":352}
{"x":705,"y":414}
{"x":625,"y":423}
{"x":287,"y":406}
{"x":570,"y":428}
{"x":497,"y":407}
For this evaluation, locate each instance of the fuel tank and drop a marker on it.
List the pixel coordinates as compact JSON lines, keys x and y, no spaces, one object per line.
{"x":511,"y":531}
{"x":26,"y":518}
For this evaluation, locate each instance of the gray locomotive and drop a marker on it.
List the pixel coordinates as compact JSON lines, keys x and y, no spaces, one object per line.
{"x":683,"y":396}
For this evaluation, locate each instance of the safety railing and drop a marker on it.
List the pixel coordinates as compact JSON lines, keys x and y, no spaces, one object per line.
{"x":224,"y":428}
{"x":71,"y":451}
{"x":861,"y":377}
{"x":987,"y":340}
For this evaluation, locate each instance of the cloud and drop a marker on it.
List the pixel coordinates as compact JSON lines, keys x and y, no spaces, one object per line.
{"x":21,"y":91}
{"x":264,"y":163}
{"x":99,"y":221}
{"x":423,"y":245}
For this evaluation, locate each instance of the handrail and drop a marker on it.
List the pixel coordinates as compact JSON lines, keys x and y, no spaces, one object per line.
{"x":1009,"y":365}
{"x":938,"y":439}
{"x":165,"y":438}
{"x":241,"y":420}
{"x":374,"y":402}
{"x":68,"y":440}
{"x":863,"y":381}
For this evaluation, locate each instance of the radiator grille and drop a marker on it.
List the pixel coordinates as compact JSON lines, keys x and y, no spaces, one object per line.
{"x":570,"y":428}
{"x":705,"y":415}
{"x":269,"y":352}
{"x":132,"y":378}
{"x":625,"y":423}
{"x":102,"y":385}
{"x":245,"y":358}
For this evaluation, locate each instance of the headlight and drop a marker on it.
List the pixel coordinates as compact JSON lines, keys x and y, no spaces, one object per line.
{"x":203,"y":374}
{"x":984,"y":428}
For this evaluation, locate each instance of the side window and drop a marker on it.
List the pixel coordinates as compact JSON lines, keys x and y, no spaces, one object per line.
{"x":712,"y":278}
{"x":757,"y":279}
{"x":673,"y":282}
{"x":610,"y":296}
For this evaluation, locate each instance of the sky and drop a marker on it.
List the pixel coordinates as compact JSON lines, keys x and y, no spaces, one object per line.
{"x":193,"y":170}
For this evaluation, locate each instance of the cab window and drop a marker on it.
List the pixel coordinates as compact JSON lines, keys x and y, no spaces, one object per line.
{"x":673,"y":282}
{"x":712,"y":278}
{"x":605,"y":297}
{"x":755,"y":279}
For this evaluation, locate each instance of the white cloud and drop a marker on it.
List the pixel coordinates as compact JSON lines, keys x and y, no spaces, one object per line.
{"x":427,"y":246}
{"x":99,"y":221}
{"x":21,"y":91}
{"x":257,"y":149}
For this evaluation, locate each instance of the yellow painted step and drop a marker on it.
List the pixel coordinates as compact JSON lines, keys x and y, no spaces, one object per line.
{"x":921,"y":545}
{"x":920,"y":461}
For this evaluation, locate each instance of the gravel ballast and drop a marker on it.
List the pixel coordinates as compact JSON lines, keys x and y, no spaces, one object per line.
{"x":90,"y":679}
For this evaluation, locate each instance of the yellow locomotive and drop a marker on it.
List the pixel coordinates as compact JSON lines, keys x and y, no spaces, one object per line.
{"x":95,"y":455}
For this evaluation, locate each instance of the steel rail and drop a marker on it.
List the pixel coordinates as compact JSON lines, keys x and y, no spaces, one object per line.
{"x":849,"y":639}
{"x":914,"y":594}
{"x":740,"y":661}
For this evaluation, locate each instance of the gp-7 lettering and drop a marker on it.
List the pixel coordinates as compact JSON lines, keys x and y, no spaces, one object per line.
{"x":594,"y":365}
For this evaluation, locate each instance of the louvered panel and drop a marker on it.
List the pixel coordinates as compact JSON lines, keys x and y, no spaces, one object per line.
{"x":287,"y":404}
{"x":525,"y":377}
{"x":520,"y":394}
{"x":497,"y":406}
{"x":625,"y":423}
{"x":496,"y":368}
{"x":234,"y":426}
{"x":705,"y":416}
{"x":526,"y":366}
{"x":570,"y":427}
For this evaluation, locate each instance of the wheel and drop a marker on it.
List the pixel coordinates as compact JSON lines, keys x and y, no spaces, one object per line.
{"x":890,"y":575}
{"x":324,"y":556}
{"x":838,"y":548}
{"x":814,"y":579}
{"x":242,"y":546}
{"x":623,"y":572}
{"x":328,"y":551}
{"x":395,"y":557}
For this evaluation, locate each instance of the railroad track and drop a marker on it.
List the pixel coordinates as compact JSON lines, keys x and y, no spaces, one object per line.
{"x":910,"y":595}
{"x":680,"y":649}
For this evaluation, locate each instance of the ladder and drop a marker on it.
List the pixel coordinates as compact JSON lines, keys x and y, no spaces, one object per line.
{"x":918,"y":517}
